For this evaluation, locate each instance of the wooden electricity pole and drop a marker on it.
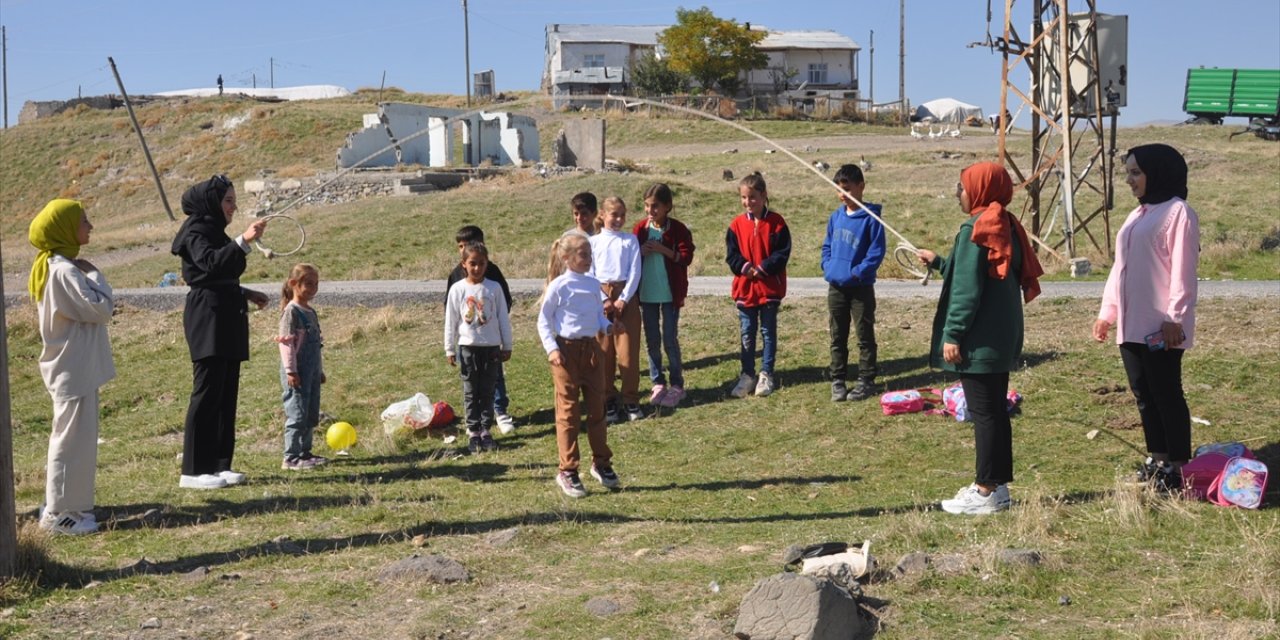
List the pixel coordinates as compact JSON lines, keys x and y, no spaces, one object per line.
{"x":8,"y":504}
{"x":466,"y":45}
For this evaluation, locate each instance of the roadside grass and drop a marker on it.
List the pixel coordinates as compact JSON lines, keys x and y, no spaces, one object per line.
{"x":712,"y":494}
{"x":93,"y":155}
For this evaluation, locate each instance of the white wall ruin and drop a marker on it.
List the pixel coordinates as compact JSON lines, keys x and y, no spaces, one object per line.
{"x":501,"y":138}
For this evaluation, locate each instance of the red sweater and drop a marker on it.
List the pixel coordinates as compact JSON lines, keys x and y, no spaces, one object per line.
{"x":677,"y":238}
{"x":765,"y":244}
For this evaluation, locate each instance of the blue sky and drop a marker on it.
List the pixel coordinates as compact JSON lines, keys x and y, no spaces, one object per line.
{"x":57,"y":48}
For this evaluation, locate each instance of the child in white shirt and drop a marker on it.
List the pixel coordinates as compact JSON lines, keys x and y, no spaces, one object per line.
{"x":477,"y":339}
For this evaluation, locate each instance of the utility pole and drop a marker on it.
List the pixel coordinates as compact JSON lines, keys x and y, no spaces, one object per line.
{"x":466,"y":43}
{"x":4,"y":65}
{"x":273,"y":73}
{"x":871,"y":67}
{"x":902,"y":58}
{"x":8,"y":515}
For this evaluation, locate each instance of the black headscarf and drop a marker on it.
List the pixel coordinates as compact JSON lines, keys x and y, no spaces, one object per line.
{"x":202,"y":204}
{"x":1165,"y":169}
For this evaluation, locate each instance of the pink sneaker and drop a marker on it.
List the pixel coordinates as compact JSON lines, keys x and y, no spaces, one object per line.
{"x":658,"y":396}
{"x":673,"y":396}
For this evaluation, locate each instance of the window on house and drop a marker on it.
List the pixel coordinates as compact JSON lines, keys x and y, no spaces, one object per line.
{"x":593,"y":60}
{"x":818,"y":73}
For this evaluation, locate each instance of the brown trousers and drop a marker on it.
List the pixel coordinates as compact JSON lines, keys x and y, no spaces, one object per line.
{"x":622,"y":349}
{"x":583,"y":370}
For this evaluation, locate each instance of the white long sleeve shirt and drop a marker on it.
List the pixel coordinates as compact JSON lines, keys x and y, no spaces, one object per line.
{"x":476,"y":315}
{"x":74,"y":314}
{"x":615,"y":257}
{"x":571,"y":308}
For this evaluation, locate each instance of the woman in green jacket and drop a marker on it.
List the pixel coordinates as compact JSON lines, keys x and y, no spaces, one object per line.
{"x":977,"y":331}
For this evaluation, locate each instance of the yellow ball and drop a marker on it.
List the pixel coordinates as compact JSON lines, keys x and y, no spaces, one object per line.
{"x":341,"y":435}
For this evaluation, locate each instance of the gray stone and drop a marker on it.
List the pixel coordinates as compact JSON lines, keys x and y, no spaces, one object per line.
{"x":1028,"y":557}
{"x":150,"y":623}
{"x":602,"y":607}
{"x":912,"y":564}
{"x":502,"y":538}
{"x":199,"y":573}
{"x":430,"y":568}
{"x":793,"y":606}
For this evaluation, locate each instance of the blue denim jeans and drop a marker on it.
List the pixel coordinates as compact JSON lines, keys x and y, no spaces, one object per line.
{"x":301,"y":407}
{"x":764,"y":319}
{"x":500,"y":398}
{"x":667,"y":336}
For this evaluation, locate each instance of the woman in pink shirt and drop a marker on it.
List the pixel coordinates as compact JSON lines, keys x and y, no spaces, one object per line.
{"x":1150,"y":297}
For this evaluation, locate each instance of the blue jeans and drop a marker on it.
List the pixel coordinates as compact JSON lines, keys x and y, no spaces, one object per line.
{"x":764,"y":319}
{"x":301,"y":408}
{"x":500,"y":398}
{"x":668,"y":336}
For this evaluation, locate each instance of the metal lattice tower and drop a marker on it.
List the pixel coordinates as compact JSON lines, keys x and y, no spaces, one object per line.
{"x":1073,"y":150}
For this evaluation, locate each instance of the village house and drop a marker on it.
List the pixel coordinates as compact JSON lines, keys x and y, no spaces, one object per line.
{"x":584,"y":59}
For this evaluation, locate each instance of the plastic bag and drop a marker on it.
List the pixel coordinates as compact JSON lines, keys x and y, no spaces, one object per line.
{"x":412,"y":414}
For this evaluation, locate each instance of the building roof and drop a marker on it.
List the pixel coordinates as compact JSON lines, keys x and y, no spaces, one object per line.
{"x":648,"y":35}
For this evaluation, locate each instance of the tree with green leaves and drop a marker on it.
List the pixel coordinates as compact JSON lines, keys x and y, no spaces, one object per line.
{"x":712,"y":50}
{"x":651,"y":76}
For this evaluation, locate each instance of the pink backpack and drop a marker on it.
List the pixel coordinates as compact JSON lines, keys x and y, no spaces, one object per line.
{"x":893,"y":403}
{"x":955,"y":405}
{"x":1226,"y":474}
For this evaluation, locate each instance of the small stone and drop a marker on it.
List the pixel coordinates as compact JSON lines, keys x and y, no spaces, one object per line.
{"x":750,"y":548}
{"x":951,"y":564}
{"x":419,"y":541}
{"x":143,"y":565}
{"x":1028,"y":557}
{"x":640,"y":553}
{"x":1064,"y":600}
{"x":242,"y":635}
{"x":912,"y":564}
{"x":602,"y":607}
{"x":437,"y":569}
{"x":198,"y":573}
{"x":150,"y":623}
{"x":714,"y":587}
{"x":502,"y":538}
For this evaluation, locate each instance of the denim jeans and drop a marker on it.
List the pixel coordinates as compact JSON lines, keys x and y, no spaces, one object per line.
{"x":501,"y":401}
{"x":764,"y":319}
{"x":301,"y":407}
{"x":668,"y":336}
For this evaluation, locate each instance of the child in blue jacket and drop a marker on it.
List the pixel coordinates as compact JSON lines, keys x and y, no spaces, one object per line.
{"x":851,"y":253}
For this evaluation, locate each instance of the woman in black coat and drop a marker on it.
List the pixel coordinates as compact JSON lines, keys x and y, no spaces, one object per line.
{"x":216,"y":324}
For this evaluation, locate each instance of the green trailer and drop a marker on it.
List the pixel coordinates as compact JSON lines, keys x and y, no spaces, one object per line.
{"x":1213,"y":94}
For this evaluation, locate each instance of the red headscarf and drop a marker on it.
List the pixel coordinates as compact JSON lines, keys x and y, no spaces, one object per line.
{"x":990,"y":188}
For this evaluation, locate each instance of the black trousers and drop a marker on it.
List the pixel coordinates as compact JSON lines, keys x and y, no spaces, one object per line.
{"x":209,"y":441}
{"x":857,"y":306}
{"x":1155,"y":378}
{"x":986,"y":395}
{"x":479,"y":367}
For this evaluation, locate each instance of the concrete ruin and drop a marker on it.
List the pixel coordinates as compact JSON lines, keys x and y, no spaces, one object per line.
{"x":581,"y":144}
{"x":498,"y":138}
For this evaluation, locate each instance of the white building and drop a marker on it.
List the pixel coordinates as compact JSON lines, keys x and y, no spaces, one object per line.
{"x":586,"y":59}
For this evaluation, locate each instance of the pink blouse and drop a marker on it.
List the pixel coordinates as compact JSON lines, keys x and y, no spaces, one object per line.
{"x":1153,"y":280}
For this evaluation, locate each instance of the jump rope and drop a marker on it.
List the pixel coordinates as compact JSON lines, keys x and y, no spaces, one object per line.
{"x":905,"y":253}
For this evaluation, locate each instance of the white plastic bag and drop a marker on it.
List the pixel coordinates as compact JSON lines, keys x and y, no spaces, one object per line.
{"x":844,"y":567}
{"x":414,"y":413}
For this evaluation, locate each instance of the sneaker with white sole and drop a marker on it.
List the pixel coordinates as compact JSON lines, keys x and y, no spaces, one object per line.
{"x":506,"y":424}
{"x":658,"y":396}
{"x":606,"y":476}
{"x":571,"y":484}
{"x":970,"y":501}
{"x":765,"y":386}
{"x":746,"y":384}
{"x":232,"y":477}
{"x":202,"y":481}
{"x":611,"y":413}
{"x":634,"y":412}
{"x":69,"y":523}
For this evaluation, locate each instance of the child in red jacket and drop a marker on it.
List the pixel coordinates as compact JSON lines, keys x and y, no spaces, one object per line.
{"x":758,"y":245}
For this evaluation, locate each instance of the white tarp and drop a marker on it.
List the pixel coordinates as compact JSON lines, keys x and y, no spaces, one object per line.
{"x":305,"y":92}
{"x":947,"y":110}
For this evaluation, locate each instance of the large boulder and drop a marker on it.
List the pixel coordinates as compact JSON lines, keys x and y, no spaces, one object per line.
{"x":789,"y":606}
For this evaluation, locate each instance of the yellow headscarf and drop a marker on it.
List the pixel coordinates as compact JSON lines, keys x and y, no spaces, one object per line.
{"x":53,"y":231}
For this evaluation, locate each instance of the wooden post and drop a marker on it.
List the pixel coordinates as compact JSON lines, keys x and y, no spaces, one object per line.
{"x":8,"y":505}
{"x":145,"y":151}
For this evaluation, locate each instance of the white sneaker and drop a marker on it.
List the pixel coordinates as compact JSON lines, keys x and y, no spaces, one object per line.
{"x":970,"y":501}
{"x":203,"y":481}
{"x":232,"y":477}
{"x":765,"y":386}
{"x":506,"y":424}
{"x":746,"y":384}
{"x":69,"y":523}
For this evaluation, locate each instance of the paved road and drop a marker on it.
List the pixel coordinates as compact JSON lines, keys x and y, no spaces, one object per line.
{"x":380,"y":293}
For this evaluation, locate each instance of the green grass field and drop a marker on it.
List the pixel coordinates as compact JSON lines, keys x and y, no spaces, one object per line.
{"x":712,"y":494}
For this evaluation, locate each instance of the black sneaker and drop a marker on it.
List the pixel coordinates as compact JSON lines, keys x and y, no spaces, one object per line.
{"x":611,"y":415}
{"x":1147,"y":470}
{"x":474,"y":445}
{"x":487,"y":442}
{"x":605,"y":475}
{"x":1168,"y":479}
{"x":862,"y":390}
{"x":634,"y":412}
{"x":838,"y":391}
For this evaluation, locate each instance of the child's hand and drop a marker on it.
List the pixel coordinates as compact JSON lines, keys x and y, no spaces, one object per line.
{"x":925,"y":256}
{"x":506,"y":355}
{"x":555,"y":359}
{"x":1100,"y":329}
{"x":951,"y":353}
{"x":618,"y":306}
{"x":294,"y":380}
{"x":453,"y":360}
